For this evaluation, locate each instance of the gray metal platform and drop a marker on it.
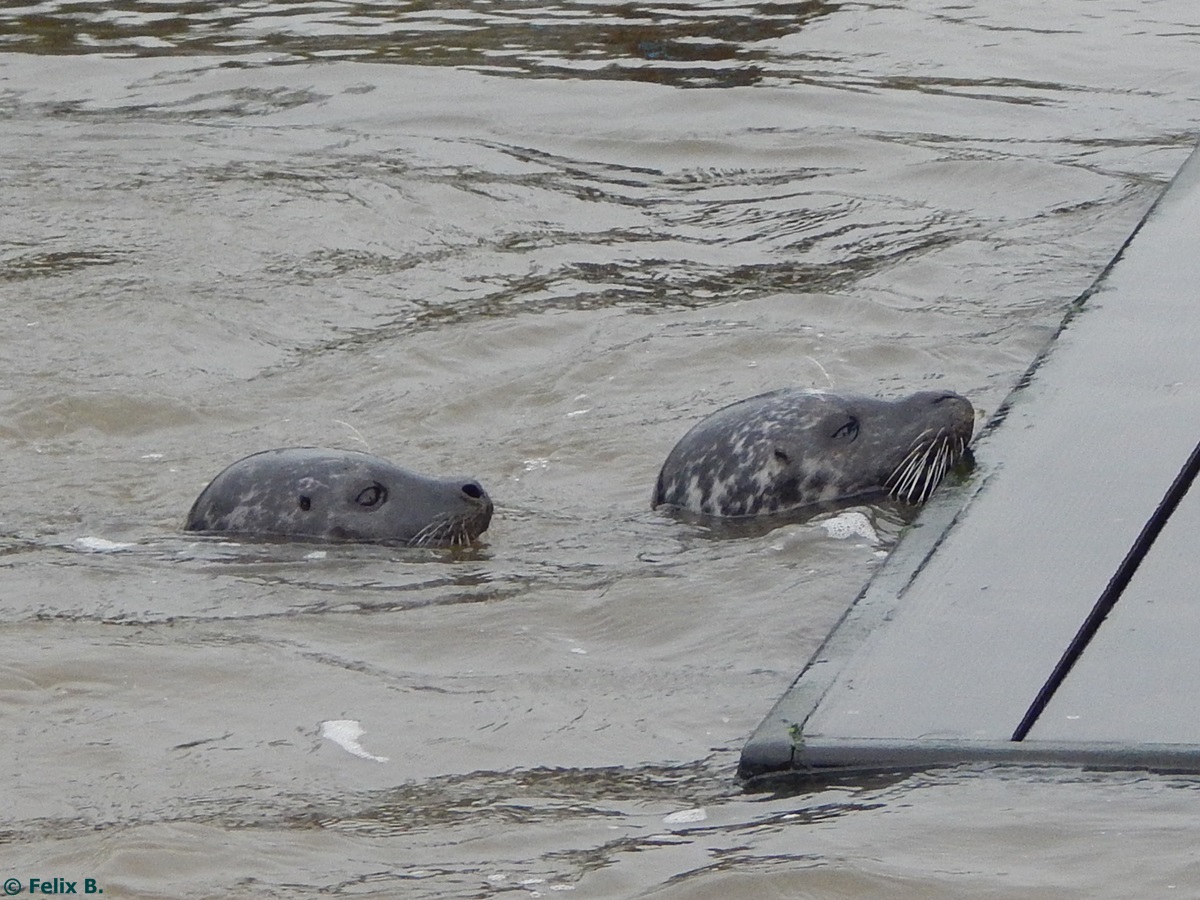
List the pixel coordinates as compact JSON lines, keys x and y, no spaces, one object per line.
{"x":950,"y":652}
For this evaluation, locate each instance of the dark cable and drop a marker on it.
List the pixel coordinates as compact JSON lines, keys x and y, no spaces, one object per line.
{"x":1116,"y":585}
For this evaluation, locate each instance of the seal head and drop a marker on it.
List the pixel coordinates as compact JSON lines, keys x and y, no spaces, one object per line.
{"x":793,"y":448}
{"x":340,"y":495}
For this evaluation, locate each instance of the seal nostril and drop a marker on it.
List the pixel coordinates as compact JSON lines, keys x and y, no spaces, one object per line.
{"x":473,"y":490}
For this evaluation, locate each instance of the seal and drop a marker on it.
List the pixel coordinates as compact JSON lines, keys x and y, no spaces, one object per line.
{"x":340,"y":495}
{"x":795,"y":448}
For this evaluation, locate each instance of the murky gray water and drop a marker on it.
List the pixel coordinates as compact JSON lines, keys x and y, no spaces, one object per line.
{"x":532,"y":243}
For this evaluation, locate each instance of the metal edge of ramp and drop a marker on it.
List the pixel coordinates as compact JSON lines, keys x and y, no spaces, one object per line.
{"x":779,"y":746}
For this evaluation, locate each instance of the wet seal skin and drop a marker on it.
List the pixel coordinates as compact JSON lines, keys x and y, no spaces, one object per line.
{"x":794,"y":448}
{"x":340,"y":495}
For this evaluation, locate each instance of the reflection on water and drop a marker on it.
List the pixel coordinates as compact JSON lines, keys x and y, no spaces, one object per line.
{"x":686,"y":44}
{"x":38,"y":263}
{"x":688,"y":239}
{"x":522,"y":796}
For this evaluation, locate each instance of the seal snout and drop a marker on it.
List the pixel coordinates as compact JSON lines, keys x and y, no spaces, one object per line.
{"x":953,"y":409}
{"x":941,"y":398}
{"x":476,"y":520}
{"x":938,"y":449}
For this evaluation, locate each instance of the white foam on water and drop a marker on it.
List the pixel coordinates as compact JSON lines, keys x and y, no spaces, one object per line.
{"x":685,"y":816}
{"x":92,"y":544}
{"x":345,"y":733}
{"x":850,"y":524}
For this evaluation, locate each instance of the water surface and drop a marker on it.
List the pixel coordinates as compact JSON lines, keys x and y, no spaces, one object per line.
{"x":530,"y":243}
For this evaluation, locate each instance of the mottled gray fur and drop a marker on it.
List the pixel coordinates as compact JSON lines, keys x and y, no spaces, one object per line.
{"x":793,"y":448}
{"x":340,"y":495}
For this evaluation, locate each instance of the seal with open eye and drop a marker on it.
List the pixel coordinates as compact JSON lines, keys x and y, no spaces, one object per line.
{"x":340,"y":495}
{"x":794,"y":448}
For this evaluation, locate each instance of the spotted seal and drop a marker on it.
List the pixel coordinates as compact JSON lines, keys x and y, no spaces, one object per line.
{"x":340,"y":495}
{"x":794,"y":448}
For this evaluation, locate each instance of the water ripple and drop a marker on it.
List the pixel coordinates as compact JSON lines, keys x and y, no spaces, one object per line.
{"x":678,"y":43}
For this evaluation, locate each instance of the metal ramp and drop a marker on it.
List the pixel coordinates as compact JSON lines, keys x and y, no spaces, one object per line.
{"x":1049,"y":609}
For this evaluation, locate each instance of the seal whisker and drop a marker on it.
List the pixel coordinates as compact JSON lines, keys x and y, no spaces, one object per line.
{"x":914,"y":483}
{"x":921,"y":485}
{"x":932,"y":473}
{"x":419,"y":539}
{"x":433,"y":533}
{"x":901,"y":472}
{"x":448,"y":529}
{"x":936,"y":471}
{"x":924,"y":467}
{"x":941,"y":465}
{"x":900,"y":488}
{"x":908,"y":473}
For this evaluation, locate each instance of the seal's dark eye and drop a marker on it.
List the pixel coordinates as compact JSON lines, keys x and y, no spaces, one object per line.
{"x":849,"y":431}
{"x":372,"y":496}
{"x":782,"y":456}
{"x":305,"y":503}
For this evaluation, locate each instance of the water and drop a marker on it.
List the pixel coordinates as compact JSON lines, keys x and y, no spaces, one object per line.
{"x":532,"y":244}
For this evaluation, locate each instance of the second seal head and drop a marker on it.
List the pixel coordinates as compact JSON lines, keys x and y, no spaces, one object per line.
{"x":793,"y":448}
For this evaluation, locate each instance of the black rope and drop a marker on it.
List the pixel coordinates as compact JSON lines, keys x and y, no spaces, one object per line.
{"x":1108,"y":599}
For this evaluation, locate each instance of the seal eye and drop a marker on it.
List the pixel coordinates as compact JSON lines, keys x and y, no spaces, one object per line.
{"x":372,"y":496}
{"x":782,"y":456}
{"x":305,"y":503}
{"x":848,"y":431}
